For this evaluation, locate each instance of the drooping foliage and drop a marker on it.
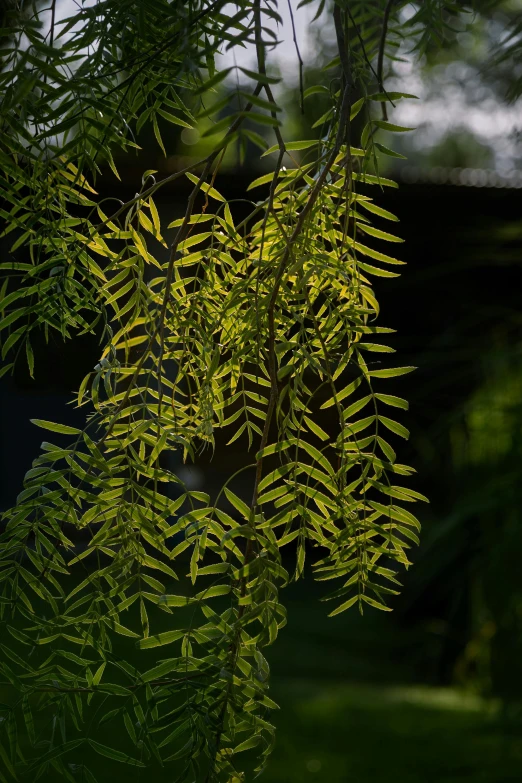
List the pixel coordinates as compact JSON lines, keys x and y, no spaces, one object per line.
{"x":253,"y":327}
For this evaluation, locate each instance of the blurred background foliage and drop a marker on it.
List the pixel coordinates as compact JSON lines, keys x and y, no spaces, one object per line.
{"x":432,"y":692}
{"x":468,"y":83}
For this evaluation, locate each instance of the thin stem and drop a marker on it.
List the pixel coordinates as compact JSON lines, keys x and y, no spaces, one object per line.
{"x":380,"y":59}
{"x":301,"y":86}
{"x":53,"y":16}
{"x":272,"y":369}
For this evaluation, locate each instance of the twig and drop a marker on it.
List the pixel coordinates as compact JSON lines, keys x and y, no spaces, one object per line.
{"x":341,"y":45}
{"x":301,"y":90}
{"x":274,"y":391}
{"x":53,"y":16}
{"x":368,"y":61}
{"x":382,"y":44}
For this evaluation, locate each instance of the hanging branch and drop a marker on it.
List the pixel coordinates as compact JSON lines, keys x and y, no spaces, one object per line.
{"x":300,"y":59}
{"x":382,"y":46}
{"x":240,"y":329}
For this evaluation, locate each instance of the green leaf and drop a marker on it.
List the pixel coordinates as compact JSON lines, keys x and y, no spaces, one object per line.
{"x":157,"y":134}
{"x":217,"y":568}
{"x":388,"y":151}
{"x":360,"y":425}
{"x":356,"y":108}
{"x":374,"y":603}
{"x":391,"y":372}
{"x":375,"y":348}
{"x":391,"y":127}
{"x":395,"y":427}
{"x":396,"y":402}
{"x":168,"y":637}
{"x":251,"y":742}
{"x":316,"y":429}
{"x":387,"y":449}
{"x":317,"y":456}
{"x":371,"y":207}
{"x":157,"y":672}
{"x":314,"y":89}
{"x":255,"y":100}
{"x":175,"y":600}
{"x":205,"y":187}
{"x":5,"y":369}
{"x":51,"y":425}
{"x":30,"y":357}
{"x":13,"y":316}
{"x":115,"y":755}
{"x":402,"y":515}
{"x":121,"y":629}
{"x":98,"y":674}
{"x":270,"y":478}
{"x":218,"y":77}
{"x":238,"y":504}
{"x":292,"y":145}
{"x":260,"y":77}
{"x":374,"y":270}
{"x":371,"y":253}
{"x":372,"y":179}
{"x":56,"y":752}
{"x":272,"y":494}
{"x":412,"y":494}
{"x":340,"y":396}
{"x":390,"y":96}
{"x":238,"y":433}
{"x":376,"y":232}
{"x":7,"y":761}
{"x":255,"y":138}
{"x":355,"y":407}
{"x":343,"y":607}
{"x":261,"y":181}
{"x":173,"y":119}
{"x":213,"y":592}
{"x":28,"y":719}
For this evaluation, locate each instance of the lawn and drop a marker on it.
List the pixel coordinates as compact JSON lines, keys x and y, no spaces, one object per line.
{"x":355,"y":709}
{"x":358,"y":705}
{"x":342,"y":732}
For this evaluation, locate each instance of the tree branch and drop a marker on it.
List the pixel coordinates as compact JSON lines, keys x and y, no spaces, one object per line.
{"x":380,"y":59}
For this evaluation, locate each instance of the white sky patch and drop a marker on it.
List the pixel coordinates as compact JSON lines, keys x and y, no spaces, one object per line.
{"x":491,"y":121}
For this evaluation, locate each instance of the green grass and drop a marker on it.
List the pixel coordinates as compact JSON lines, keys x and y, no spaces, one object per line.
{"x":357,"y":706}
{"x":344,"y":733}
